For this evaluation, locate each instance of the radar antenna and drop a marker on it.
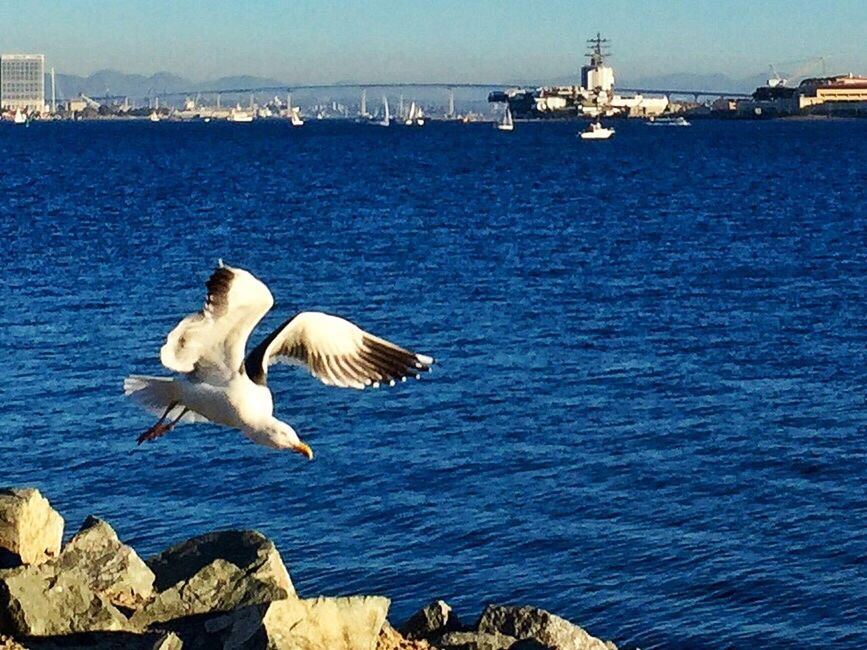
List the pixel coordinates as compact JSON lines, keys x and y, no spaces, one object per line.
{"x":599,"y":49}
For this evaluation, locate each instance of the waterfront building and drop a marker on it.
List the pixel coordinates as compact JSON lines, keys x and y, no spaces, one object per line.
{"x":22,"y":82}
{"x":840,"y":90}
{"x":838,"y":95}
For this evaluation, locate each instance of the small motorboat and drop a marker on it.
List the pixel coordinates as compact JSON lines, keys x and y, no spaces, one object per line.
{"x":595,"y":131}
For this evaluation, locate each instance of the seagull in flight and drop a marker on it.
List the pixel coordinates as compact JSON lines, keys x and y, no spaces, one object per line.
{"x":217,"y":383}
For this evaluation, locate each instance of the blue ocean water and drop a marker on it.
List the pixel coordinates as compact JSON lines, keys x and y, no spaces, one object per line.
{"x":648,"y":413}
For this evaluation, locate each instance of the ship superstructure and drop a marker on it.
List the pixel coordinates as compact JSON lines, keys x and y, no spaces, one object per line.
{"x":595,"y":95}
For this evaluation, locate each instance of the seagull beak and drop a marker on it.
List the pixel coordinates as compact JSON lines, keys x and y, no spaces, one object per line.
{"x":303,"y":449}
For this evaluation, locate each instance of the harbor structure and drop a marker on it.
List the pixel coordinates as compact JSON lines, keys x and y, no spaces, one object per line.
{"x":836,"y":95}
{"x":22,"y":82}
{"x":595,"y":96}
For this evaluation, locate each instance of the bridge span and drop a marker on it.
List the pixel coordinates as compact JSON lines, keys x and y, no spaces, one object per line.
{"x":446,"y":85}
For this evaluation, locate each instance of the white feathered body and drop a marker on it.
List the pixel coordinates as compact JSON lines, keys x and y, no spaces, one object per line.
{"x":218,"y":383}
{"x":239,"y":403}
{"x":236,"y":403}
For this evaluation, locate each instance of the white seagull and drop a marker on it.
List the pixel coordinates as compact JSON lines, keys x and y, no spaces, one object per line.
{"x":217,"y":383}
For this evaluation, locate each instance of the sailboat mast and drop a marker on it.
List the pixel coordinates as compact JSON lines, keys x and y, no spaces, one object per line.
{"x":53,"y":93}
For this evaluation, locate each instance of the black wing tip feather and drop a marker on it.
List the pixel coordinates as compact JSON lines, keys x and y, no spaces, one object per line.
{"x":218,"y":286}
{"x":388,"y":364}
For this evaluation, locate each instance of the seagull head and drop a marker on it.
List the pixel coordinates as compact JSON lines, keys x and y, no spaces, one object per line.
{"x":279,"y":435}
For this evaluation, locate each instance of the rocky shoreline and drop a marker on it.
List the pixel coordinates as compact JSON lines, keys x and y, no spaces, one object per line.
{"x":225,"y":589}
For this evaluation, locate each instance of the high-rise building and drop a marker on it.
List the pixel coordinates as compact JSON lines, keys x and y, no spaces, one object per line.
{"x":22,"y":81}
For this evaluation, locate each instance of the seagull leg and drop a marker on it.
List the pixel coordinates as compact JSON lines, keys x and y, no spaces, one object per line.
{"x":160,"y":428}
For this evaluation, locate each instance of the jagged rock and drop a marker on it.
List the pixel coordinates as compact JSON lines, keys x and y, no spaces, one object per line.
{"x":474,"y":641}
{"x":349,"y":623}
{"x":391,"y":639}
{"x":30,"y":529}
{"x":216,"y":572}
{"x":436,"y":618}
{"x":112,"y":568}
{"x":534,"y":623}
{"x":84,"y":589}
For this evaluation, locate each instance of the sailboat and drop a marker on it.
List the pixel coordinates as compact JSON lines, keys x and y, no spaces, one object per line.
{"x":415,"y":116}
{"x":386,"y":120}
{"x":20,"y":118}
{"x":295,"y":117}
{"x":409,"y":120}
{"x":154,"y":116}
{"x":507,"y":124}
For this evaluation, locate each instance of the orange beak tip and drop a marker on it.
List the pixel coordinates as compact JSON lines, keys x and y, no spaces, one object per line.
{"x":304,"y":450}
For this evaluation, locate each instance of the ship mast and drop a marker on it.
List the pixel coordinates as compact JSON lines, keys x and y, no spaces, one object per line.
{"x":598,"y":49}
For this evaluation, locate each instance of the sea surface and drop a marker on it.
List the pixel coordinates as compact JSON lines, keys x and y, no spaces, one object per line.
{"x":648,"y":411}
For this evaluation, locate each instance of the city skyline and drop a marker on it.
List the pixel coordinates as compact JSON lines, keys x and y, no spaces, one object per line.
{"x":443,"y":40}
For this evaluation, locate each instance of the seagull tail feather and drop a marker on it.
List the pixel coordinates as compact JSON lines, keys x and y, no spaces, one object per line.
{"x":154,"y":394}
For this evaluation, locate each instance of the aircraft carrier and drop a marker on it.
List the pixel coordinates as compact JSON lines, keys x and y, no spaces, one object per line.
{"x":594,"y":97}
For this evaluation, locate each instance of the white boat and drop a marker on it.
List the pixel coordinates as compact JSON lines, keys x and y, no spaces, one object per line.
{"x":506,"y":124}
{"x":20,"y":118}
{"x":668,"y":121}
{"x":295,"y":117}
{"x":595,"y":131}
{"x":154,"y":117}
{"x":419,"y":117}
{"x":386,"y":120}
{"x":238,"y":115}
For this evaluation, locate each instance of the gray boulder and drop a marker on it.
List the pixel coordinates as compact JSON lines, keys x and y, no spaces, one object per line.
{"x":435,"y":618}
{"x":111,"y":567}
{"x":216,"y":572}
{"x":87,"y":588}
{"x":534,"y":623}
{"x":30,"y":529}
{"x":474,"y":641}
{"x":530,"y":644}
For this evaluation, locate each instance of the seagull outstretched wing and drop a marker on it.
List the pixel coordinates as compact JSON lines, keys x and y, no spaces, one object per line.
{"x":212,"y":341}
{"x":335,"y":351}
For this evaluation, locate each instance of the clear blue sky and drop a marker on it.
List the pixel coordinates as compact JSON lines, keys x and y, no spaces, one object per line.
{"x":432,"y":40}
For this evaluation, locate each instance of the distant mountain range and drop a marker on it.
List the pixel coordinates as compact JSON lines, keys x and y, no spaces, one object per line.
{"x":112,"y":82}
